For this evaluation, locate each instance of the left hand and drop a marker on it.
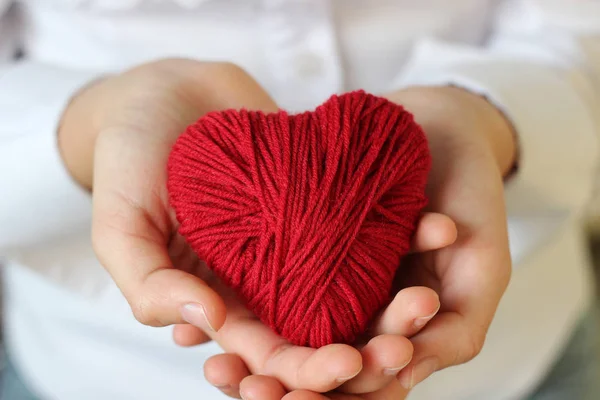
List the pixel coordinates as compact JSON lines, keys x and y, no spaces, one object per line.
{"x":473,"y":148}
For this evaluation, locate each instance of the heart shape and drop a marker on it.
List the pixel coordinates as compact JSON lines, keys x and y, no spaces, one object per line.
{"x":305,"y":216}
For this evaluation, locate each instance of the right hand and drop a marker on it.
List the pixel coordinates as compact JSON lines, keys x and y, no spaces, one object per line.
{"x":127,"y":125}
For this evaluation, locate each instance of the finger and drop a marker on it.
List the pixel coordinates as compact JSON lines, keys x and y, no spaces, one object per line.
{"x":304,"y":395}
{"x":411,"y":309}
{"x":226,"y":372}
{"x":159,"y":294}
{"x":187,"y":335}
{"x":296,"y":367}
{"x":448,"y":340}
{"x":434,"y":231}
{"x":383,"y":358}
{"x":325,"y":375}
{"x":260,"y":387}
{"x":474,"y":275}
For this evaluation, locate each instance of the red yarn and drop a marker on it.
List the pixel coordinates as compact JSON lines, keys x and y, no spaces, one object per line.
{"x":305,"y":216}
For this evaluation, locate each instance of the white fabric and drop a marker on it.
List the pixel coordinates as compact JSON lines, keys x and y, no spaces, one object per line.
{"x":69,"y":330}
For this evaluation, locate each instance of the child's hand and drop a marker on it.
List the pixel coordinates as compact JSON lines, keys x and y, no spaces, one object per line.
{"x":473,"y":147}
{"x":127,"y":125}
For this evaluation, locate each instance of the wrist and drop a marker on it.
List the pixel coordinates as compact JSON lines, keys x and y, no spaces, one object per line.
{"x":491,"y":124}
{"x":449,"y":114}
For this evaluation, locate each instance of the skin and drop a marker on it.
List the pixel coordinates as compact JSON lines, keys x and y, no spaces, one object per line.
{"x":450,"y":286}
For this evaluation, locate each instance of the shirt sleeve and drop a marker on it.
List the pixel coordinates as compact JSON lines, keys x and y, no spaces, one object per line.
{"x":541,"y":67}
{"x":38,"y":198}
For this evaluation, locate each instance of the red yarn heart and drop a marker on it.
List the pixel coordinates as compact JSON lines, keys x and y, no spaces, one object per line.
{"x":305,"y":216}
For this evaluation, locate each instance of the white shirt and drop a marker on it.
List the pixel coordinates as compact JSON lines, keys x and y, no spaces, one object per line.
{"x":69,"y":330}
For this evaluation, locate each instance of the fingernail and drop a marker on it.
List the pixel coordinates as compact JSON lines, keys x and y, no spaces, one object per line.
{"x":223,"y":387}
{"x":421,"y":321}
{"x":395,"y":370}
{"x":419,"y":373}
{"x":243,"y":396}
{"x":195,"y":314}
{"x":347,"y":378}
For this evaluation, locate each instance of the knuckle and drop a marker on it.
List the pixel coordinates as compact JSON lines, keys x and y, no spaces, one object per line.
{"x":144,"y":312}
{"x":271,"y":358}
{"x":472,"y":347}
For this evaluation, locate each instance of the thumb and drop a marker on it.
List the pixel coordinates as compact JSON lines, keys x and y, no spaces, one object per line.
{"x":159,"y":294}
{"x":131,"y":232}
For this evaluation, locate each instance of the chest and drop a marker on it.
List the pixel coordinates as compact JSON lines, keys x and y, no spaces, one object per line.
{"x":315,"y":47}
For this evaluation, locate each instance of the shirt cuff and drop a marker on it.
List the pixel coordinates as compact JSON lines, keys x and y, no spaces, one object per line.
{"x":40,"y":201}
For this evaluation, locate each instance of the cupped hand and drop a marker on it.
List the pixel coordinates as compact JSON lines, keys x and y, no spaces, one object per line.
{"x":473,"y":149}
{"x":127,"y":124}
